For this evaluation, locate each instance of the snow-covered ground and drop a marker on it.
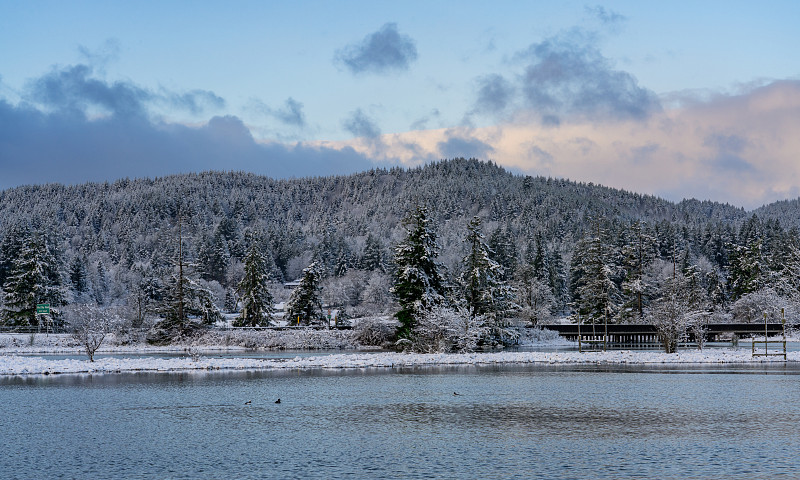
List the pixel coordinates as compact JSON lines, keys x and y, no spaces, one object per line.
{"x":18,"y":355}
{"x":25,"y":365}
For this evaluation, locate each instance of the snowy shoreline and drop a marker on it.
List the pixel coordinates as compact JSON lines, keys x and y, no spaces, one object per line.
{"x":31,"y":365}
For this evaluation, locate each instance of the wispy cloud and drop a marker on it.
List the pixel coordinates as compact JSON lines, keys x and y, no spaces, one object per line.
{"x":360,"y":125}
{"x":290,"y":114}
{"x":607,"y":17}
{"x":495,"y":94}
{"x":381,"y":52}
{"x":75,"y":90}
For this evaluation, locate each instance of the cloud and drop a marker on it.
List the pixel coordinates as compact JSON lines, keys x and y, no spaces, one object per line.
{"x":75,"y":90}
{"x":360,"y":125}
{"x":39,"y":147}
{"x":422,"y":123}
{"x":738,"y":148}
{"x":726,"y":143}
{"x":108,"y":52}
{"x":566,"y":75}
{"x":290,"y":114}
{"x":194,"y":102}
{"x":562,"y":78}
{"x":495,"y":93}
{"x":455,"y":147}
{"x":607,"y":17}
{"x":382,"y":52}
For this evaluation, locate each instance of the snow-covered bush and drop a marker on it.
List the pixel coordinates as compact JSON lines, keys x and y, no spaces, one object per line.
{"x":530,"y":336}
{"x":375,"y":331}
{"x":295,"y":339}
{"x":752,"y":306}
{"x":443,"y":329}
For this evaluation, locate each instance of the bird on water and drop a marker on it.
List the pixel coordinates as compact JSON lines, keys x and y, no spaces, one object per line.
{"x":278,"y":401}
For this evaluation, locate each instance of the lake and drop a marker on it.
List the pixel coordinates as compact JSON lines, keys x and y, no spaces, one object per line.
{"x":562,"y":422}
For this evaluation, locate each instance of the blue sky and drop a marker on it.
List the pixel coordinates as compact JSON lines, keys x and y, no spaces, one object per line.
{"x":678,"y":99}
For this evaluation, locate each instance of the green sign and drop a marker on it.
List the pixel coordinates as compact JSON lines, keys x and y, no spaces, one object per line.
{"x":43,"y":309}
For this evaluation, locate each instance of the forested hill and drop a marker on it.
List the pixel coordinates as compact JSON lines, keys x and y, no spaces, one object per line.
{"x":132,"y":224}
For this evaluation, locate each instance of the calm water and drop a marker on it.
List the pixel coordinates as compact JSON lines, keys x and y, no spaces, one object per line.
{"x":509,"y":422}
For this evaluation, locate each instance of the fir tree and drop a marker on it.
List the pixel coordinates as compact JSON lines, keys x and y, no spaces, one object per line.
{"x":256,"y":299}
{"x":184,"y":301}
{"x":485,"y":291}
{"x":78,"y":277}
{"x":304,"y":305}
{"x":34,"y":278}
{"x":595,"y":293}
{"x":504,"y":250}
{"x":637,"y":253}
{"x":100,"y":285}
{"x":557,"y":278}
{"x":10,"y":249}
{"x":146,"y":294}
{"x":418,"y":284}
{"x":745,"y":274}
{"x":213,"y":258}
{"x":372,"y":258}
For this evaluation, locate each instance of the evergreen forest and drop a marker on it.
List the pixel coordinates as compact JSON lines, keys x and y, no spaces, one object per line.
{"x":505,"y":244}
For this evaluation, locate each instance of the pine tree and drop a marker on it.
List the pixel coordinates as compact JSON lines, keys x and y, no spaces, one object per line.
{"x":637,"y":253}
{"x":504,"y":250}
{"x":535,"y":298}
{"x":256,"y":298}
{"x":557,"y":278}
{"x":145,"y":295}
{"x":10,"y":249}
{"x":34,"y":278}
{"x":418,"y":285}
{"x":77,"y":277}
{"x":372,"y":258}
{"x":100,"y":285}
{"x":304,"y":305}
{"x":485,"y":291}
{"x":746,"y":269}
{"x":184,"y":301}
{"x":213,"y":258}
{"x":595,"y":292}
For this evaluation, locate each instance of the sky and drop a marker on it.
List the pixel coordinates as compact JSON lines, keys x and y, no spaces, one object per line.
{"x":676,"y":99}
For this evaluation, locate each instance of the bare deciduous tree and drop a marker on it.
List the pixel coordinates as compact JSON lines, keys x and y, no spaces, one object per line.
{"x":89,"y":325}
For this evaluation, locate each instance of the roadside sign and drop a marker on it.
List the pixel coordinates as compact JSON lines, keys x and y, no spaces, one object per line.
{"x":42,"y":309}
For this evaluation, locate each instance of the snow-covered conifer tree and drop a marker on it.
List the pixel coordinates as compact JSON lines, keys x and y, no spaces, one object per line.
{"x":213,"y":258}
{"x":485,"y":292}
{"x":637,"y":253}
{"x":418,"y":285}
{"x":372,"y":258}
{"x":34,"y":278}
{"x":304,"y":305}
{"x":595,"y":293}
{"x":746,"y":269}
{"x":255,"y":295}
